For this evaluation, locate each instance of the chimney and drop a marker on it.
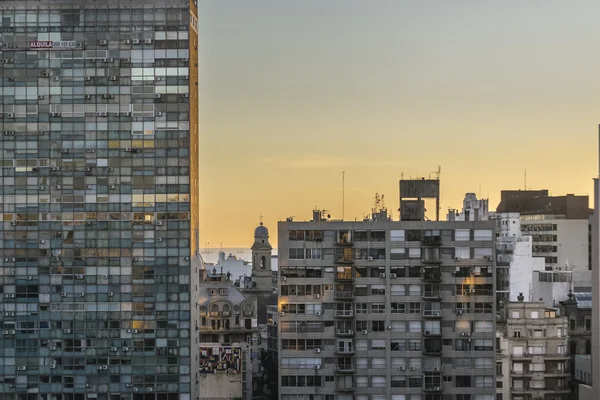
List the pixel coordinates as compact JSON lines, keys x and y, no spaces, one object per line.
{"x":520,"y":297}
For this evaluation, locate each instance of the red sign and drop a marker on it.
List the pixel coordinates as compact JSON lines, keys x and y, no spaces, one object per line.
{"x":41,"y":45}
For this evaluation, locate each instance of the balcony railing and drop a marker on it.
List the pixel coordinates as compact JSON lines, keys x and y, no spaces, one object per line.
{"x":343,"y":276}
{"x":343,"y":295}
{"x":430,"y":351}
{"x":432,"y":368}
{"x":431,"y":276}
{"x":432,"y":332}
{"x":431,"y":294}
{"x":344,"y":351}
{"x":432,"y":313}
{"x":344,"y":242}
{"x":344,"y":387}
{"x":432,"y":241}
{"x":345,"y":368}
{"x":344,"y":332}
{"x":432,"y":387}
{"x":344,"y":260}
{"x":344,"y":313}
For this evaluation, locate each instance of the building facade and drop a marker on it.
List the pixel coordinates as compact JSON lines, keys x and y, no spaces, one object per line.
{"x":228,"y":336}
{"x":383,"y":309}
{"x":535,"y":362}
{"x":99,"y":156}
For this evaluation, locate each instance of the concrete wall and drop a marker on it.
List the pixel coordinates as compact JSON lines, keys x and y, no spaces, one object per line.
{"x":220,"y":386}
{"x":586,"y":393}
{"x":573,"y":249}
{"x":521,"y":269}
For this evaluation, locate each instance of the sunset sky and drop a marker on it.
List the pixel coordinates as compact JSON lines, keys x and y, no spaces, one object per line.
{"x":292,"y":93}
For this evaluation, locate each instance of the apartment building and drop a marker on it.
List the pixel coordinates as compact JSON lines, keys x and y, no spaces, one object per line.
{"x":381,"y":309}
{"x":99,"y":198}
{"x":228,"y":340}
{"x":559,"y":227}
{"x":535,"y":362}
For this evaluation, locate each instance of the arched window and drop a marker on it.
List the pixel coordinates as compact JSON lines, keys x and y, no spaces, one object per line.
{"x":248,"y":308}
{"x":214,"y":308}
{"x":226,"y":308}
{"x":263,"y":262}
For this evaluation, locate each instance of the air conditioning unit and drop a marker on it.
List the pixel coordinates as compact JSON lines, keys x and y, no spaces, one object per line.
{"x":9,"y":296}
{"x":157,"y":95}
{"x":105,"y":367}
{"x":127,"y":41}
{"x":44,"y":74}
{"x":128,"y":149}
{"x":370,"y":258}
{"x":389,"y":327}
{"x":11,"y":273}
{"x":21,"y":368}
{"x":126,"y":114}
{"x":282,"y":313}
{"x":64,"y":151}
{"x":81,"y":294}
{"x":318,"y":313}
{"x":107,"y":60}
{"x":488,"y":258}
{"x":101,"y":114}
{"x":110,"y":294}
{"x":112,"y":187}
{"x":9,"y":133}
{"x":52,"y":366}
{"x":41,"y":97}
{"x":55,"y":114}
{"x":53,"y":348}
{"x":132,"y":331}
{"x":136,"y":41}
{"x":158,"y":113}
{"x":317,"y":350}
{"x":88,"y":78}
{"x":150,"y":389}
{"x":365,"y":332}
{"x":88,"y":385}
{"x":457,"y":258}
{"x":66,"y":331}
{"x":125,"y":348}
{"x":13,"y":223}
{"x":401,"y":368}
{"x":185,"y":95}
{"x":147,"y":41}
{"x":98,"y":367}
{"x":57,"y":187}
{"x":382,"y":275}
{"x":466,"y":293}
{"x":64,"y":294}
{"x":318,"y":366}
{"x":393,"y":276}
{"x":9,"y":314}
{"x":459,"y":312}
{"x":56,"y":78}
{"x":159,"y":239}
{"x":185,"y":60}
{"x":103,"y":42}
{"x":29,"y":278}
{"x":316,"y":296}
{"x":111,"y":78}
{"x":10,"y":115}
{"x":136,"y":389}
{"x":129,"y":385}
{"x":185,"y":77}
{"x":54,"y":168}
{"x":284,"y":278}
{"x":472,"y":290}
{"x":158,"y":223}
{"x":413,"y":368}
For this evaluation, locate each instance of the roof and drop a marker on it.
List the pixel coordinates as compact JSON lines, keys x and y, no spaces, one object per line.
{"x":584,"y":300}
{"x":261,"y":230}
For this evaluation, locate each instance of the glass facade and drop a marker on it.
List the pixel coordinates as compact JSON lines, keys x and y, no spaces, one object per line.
{"x":99,"y":197}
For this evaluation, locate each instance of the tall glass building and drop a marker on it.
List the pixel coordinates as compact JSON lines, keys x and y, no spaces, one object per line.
{"x":99,"y":198}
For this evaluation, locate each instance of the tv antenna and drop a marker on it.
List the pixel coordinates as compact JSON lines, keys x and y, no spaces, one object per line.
{"x":343,"y":194}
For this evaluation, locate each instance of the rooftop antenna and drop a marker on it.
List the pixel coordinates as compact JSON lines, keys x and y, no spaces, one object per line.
{"x":343,"y":194}
{"x":525,"y":178}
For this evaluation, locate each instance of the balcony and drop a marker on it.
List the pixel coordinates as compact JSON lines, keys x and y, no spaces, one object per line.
{"x":344,"y":351}
{"x":344,"y":241}
{"x":344,"y":259}
{"x":343,"y":274}
{"x":432,"y":387}
{"x":344,"y":368}
{"x":344,"y":332}
{"x":346,"y":295}
{"x":344,"y":387}
{"x":433,"y":314}
{"x":431,"y":275}
{"x":432,"y":333}
{"x":431,"y":241}
{"x":344,"y":313}
{"x":432,"y":350}
{"x":432,"y":368}
{"x":431,"y":295}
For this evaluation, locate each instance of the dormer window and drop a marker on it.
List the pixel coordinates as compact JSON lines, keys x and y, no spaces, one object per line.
{"x":223,"y":292}
{"x":212,"y":292}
